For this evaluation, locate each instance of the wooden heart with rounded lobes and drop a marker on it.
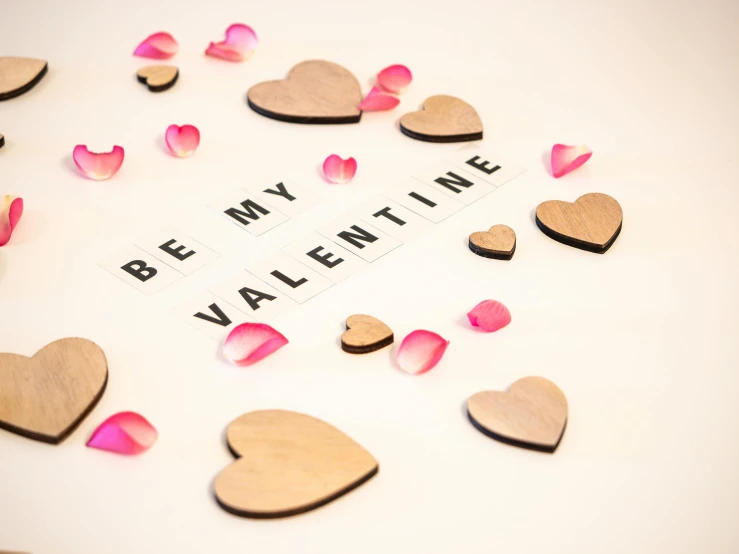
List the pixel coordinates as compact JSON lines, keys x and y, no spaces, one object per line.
{"x":158,"y":77}
{"x":443,"y":118}
{"x":365,"y":333}
{"x":288,"y":463}
{"x":314,"y":91}
{"x":498,"y":242}
{"x":45,"y":397}
{"x":531,"y":414}
{"x":592,"y":222}
{"x":19,"y":75}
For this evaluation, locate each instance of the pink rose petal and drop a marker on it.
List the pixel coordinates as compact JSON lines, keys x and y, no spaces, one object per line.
{"x":395,"y":78}
{"x":182,"y":141}
{"x":241,"y":40}
{"x":11,"y":210}
{"x":340,"y":171}
{"x":420,"y":351}
{"x":250,"y":342}
{"x":378,"y":101}
{"x":98,"y":166}
{"x":158,"y":45}
{"x":124,"y":433}
{"x":489,"y":315}
{"x":567,"y":158}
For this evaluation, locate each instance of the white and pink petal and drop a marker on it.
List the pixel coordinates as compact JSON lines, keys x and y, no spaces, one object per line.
{"x":568,"y":158}
{"x":420,"y":351}
{"x":11,"y":210}
{"x":489,"y":316}
{"x":395,"y":78}
{"x":182,"y":141}
{"x":338,"y":170}
{"x":250,"y":342}
{"x":159,"y":46}
{"x":124,"y":433}
{"x":98,"y":166}
{"x":378,"y":101}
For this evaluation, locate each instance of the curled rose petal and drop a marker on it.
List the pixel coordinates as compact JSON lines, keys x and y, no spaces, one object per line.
{"x":566,"y":158}
{"x":124,"y":433}
{"x":182,"y":141}
{"x":158,"y":45}
{"x":241,"y":40}
{"x":489,"y":315}
{"x":98,"y":167}
{"x":420,"y":351}
{"x":378,"y":101}
{"x":340,"y":171}
{"x":250,"y":342}
{"x":11,"y":210}
{"x":395,"y":78}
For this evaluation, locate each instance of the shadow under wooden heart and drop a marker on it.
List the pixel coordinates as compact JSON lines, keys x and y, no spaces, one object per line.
{"x":314,"y":91}
{"x":289,"y":463}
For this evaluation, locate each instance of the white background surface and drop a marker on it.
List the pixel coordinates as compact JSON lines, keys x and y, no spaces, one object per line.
{"x":642,"y":340}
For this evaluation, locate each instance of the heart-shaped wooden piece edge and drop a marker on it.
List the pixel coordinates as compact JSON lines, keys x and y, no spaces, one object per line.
{"x":314,"y":91}
{"x":2,"y":141}
{"x":19,"y":75}
{"x":499,"y":242}
{"x":45,"y":397}
{"x":289,"y":463}
{"x":364,"y":334}
{"x":531,"y":414}
{"x":158,"y":77}
{"x":443,"y":118}
{"x":593,"y":222}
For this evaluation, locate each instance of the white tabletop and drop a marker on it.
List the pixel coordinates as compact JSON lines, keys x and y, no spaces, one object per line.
{"x":642,"y":340}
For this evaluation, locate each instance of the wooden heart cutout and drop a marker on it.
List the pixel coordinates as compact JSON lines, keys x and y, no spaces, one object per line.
{"x":532,"y":414}
{"x":45,"y":397}
{"x":364,"y":334}
{"x":314,"y":91}
{"x":499,"y":242}
{"x":19,"y":75}
{"x":443,"y":119}
{"x":289,"y":463}
{"x":592,"y":222}
{"x":158,"y":77}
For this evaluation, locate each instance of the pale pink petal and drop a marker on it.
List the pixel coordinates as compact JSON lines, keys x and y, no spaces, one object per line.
{"x":158,"y":45}
{"x":124,"y":433}
{"x":182,"y":141}
{"x":566,"y":158}
{"x":337,"y":170}
{"x":378,"y":101}
{"x":11,"y":210}
{"x":395,"y":78}
{"x":241,"y":40}
{"x":420,"y":351}
{"x":250,"y":342}
{"x":489,"y":315}
{"x":98,"y":166}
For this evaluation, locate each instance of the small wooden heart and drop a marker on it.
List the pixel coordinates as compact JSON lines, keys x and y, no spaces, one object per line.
{"x":364,"y":334}
{"x":158,"y":77}
{"x":499,"y":242}
{"x":443,"y":119}
{"x":592,"y":222}
{"x":45,"y":397}
{"x":19,"y":75}
{"x":289,"y":463}
{"x":314,"y":91}
{"x":532,"y":414}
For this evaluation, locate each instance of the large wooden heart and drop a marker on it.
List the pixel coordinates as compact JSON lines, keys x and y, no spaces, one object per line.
{"x":314,"y":91}
{"x":19,"y":75}
{"x":288,"y":463}
{"x":532,"y":414}
{"x":443,"y":119}
{"x":45,"y":397}
{"x":592,"y":222}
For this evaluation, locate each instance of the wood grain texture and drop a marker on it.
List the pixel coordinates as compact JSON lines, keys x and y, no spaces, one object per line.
{"x":364,"y":334}
{"x":19,"y":75}
{"x":288,"y":463}
{"x":592,"y":222}
{"x":158,"y":77}
{"x":314,"y":91}
{"x":499,"y":242}
{"x":443,"y":119}
{"x":532,"y":414}
{"x":45,"y":397}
